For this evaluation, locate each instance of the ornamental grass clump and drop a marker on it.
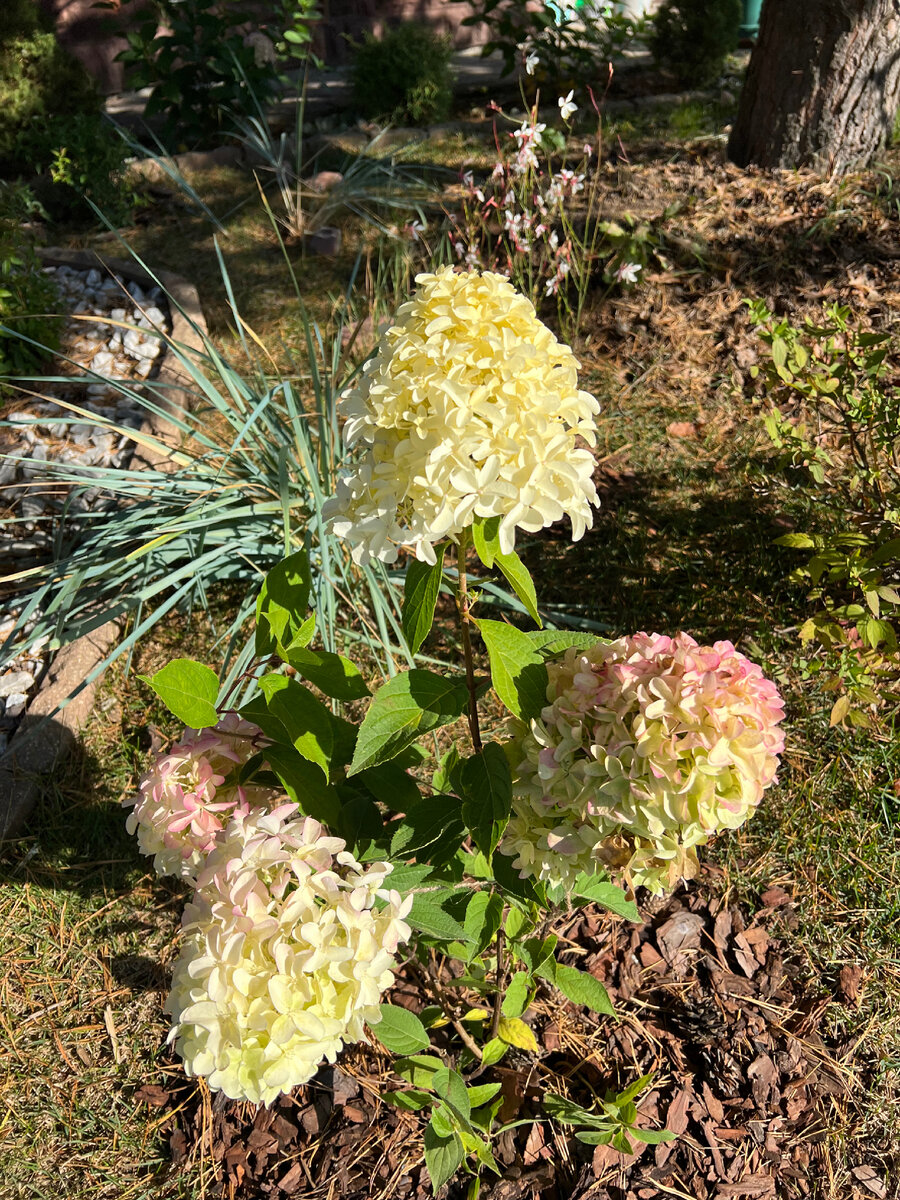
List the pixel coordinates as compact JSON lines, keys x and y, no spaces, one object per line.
{"x":649,"y":746}
{"x":470,"y":409}
{"x":185,"y":800}
{"x":286,"y":955}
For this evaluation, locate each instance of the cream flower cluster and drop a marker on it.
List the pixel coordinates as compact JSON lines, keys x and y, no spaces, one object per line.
{"x":183,"y":803}
{"x":286,"y":955}
{"x":649,"y":745}
{"x":469,"y":409}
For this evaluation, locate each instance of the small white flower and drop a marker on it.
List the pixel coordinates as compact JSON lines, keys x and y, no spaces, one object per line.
{"x":566,"y":106}
{"x":627,"y":272}
{"x":531,"y":62}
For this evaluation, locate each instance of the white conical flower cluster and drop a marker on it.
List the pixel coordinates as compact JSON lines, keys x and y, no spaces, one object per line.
{"x":469,"y":409}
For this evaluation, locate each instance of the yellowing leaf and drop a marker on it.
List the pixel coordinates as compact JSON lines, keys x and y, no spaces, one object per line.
{"x":475,"y":1014}
{"x":840,"y":710}
{"x":515,"y":1032}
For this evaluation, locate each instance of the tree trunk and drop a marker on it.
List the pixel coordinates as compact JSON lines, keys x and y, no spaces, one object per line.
{"x":823,"y":85}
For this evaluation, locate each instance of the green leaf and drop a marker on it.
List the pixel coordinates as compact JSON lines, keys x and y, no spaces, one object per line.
{"x":652,"y":1136}
{"x":332,"y":674}
{"x":796,"y":541}
{"x":551,"y":642}
{"x":486,"y":539}
{"x":569,"y":1113}
{"x":493,"y":1051}
{"x":515,"y":1001}
{"x":578,"y":986}
{"x":449,"y":1085}
{"x":520,"y":581}
{"x":305,"y":784}
{"x":529,"y":890}
{"x":431,"y":919}
{"x":426,"y":823}
{"x":411,"y":1099}
{"x":420,"y":593}
{"x":443,"y":1155}
{"x":400,"y":1031}
{"x":307,"y":721}
{"x":189,"y":690}
{"x":596,"y":1139}
{"x":634,"y":1089}
{"x":410,"y":704}
{"x":484,"y":783}
{"x":418,"y":1069}
{"x":281,"y":609}
{"x":601,"y":891}
{"x":518,"y":672}
{"x":484,"y":912}
{"x":535,"y":952}
{"x":482,"y":1092}
{"x":390,"y":784}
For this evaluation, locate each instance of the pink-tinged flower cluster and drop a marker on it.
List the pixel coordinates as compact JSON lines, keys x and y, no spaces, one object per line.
{"x":184,"y":801}
{"x":649,"y":745}
{"x":289,"y":945}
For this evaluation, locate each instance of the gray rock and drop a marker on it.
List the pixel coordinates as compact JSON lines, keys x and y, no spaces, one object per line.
{"x":15,"y":704}
{"x":16,"y":681}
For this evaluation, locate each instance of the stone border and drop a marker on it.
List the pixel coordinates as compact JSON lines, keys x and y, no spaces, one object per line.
{"x":23,"y":770}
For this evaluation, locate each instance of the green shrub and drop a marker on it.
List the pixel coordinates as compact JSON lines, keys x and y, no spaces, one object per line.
{"x":834,"y":419}
{"x":404,"y":76}
{"x":692,"y":37}
{"x":38,"y":80}
{"x":80,"y":157}
{"x":27,"y":294}
{"x":205,"y":70}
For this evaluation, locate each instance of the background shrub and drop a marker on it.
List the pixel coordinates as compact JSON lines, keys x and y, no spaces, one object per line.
{"x":404,"y":76}
{"x":38,"y":80}
{"x":79,"y":157}
{"x":692,"y":37}
{"x":28,"y":296}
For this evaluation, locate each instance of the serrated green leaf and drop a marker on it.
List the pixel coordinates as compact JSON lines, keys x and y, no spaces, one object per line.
{"x":551,"y":642}
{"x":652,"y":1137}
{"x":411,"y":1099}
{"x":569,"y":1113}
{"x":307,"y":721}
{"x":601,"y":891}
{"x":305,"y":784}
{"x":579,"y":987}
{"x":421,"y":590}
{"x":418,"y":1069}
{"x":410,"y":704}
{"x":515,"y":1000}
{"x":426,"y":823}
{"x":484,"y":912}
{"x":493,"y":1051}
{"x":432,"y":920}
{"x":484,"y":783}
{"x":332,"y":674}
{"x":486,"y":539}
{"x":282,"y":605}
{"x":189,"y":690}
{"x":529,"y":890}
{"x":518,"y":672}
{"x":535,"y":952}
{"x":520,"y":581}
{"x":481,"y":1093}
{"x":449,"y":1085}
{"x":391,"y":785}
{"x":400,"y":1031}
{"x":443,"y":1155}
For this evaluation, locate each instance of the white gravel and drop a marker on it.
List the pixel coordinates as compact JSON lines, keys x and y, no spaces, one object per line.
{"x":43,"y":430}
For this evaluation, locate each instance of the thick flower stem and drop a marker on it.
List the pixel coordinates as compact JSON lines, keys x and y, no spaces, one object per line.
{"x":463,"y":609}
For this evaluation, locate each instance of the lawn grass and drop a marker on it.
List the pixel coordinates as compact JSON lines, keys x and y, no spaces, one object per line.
{"x":683,"y":540}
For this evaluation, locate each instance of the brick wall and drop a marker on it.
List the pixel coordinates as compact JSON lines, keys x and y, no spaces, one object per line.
{"x":80,"y":28}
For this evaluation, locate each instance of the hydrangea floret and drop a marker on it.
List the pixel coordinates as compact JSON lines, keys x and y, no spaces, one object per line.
{"x":285,"y":957}
{"x":649,"y":745}
{"x":469,"y":409}
{"x":183,"y":801}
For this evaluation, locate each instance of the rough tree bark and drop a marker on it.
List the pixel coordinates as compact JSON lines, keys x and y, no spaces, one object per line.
{"x":823,"y":85}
